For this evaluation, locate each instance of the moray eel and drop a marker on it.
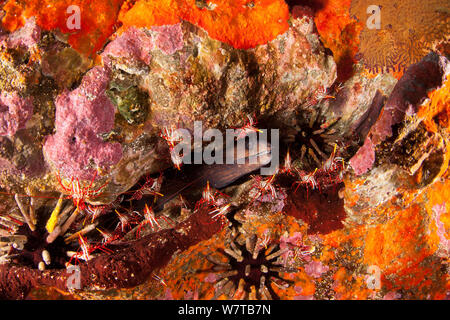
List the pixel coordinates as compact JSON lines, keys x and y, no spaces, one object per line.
{"x":195,"y":177}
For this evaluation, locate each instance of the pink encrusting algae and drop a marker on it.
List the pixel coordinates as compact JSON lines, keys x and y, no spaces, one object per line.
{"x":15,"y":111}
{"x":364,"y":159}
{"x":133,"y":44}
{"x":26,"y":37}
{"x":136,"y":44}
{"x":86,"y":112}
{"x":81,"y":115}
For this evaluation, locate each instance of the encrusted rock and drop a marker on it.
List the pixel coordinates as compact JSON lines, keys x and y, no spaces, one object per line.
{"x":164,"y":76}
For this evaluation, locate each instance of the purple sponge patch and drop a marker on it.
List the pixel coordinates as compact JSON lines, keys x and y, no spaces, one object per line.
{"x":81,"y":115}
{"x":15,"y":111}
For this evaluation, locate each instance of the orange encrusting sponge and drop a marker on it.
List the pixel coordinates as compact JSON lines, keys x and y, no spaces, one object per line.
{"x":97,"y":19}
{"x":242,"y":24}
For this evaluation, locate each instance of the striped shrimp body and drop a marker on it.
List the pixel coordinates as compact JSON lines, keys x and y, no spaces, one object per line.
{"x":79,"y":192}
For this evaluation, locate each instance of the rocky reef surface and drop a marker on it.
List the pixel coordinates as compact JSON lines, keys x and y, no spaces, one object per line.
{"x":357,"y":208}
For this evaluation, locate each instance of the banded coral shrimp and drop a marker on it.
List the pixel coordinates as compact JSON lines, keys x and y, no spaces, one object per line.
{"x":329,"y":174}
{"x":97,"y":229}
{"x":172,"y":137}
{"x":75,"y":189}
{"x":315,"y":196}
{"x":150,"y":219}
{"x":151,"y":186}
{"x":215,"y":204}
{"x":73,"y":229}
{"x":248,"y":127}
{"x":79,"y":192}
{"x":263,"y":186}
{"x":315,"y":150}
{"x":320,"y":94}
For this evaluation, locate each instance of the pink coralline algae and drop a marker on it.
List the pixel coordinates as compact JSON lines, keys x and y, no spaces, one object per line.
{"x":15,"y":111}
{"x":191,"y":295}
{"x":277,"y":203}
{"x":81,"y":115}
{"x":438,"y":210}
{"x":133,"y":44}
{"x":294,"y":248}
{"x":211,"y":278}
{"x":288,"y":242}
{"x":169,"y":38}
{"x":364,"y":159}
{"x":26,"y":37}
{"x":315,"y":269}
{"x":392,"y":295}
{"x":136,"y":44}
{"x":300,"y":296}
{"x":168,"y":295}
